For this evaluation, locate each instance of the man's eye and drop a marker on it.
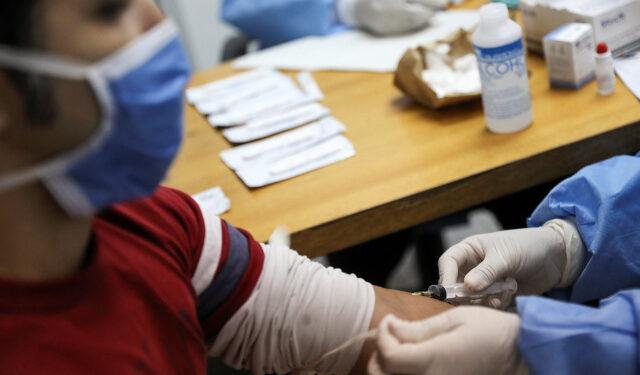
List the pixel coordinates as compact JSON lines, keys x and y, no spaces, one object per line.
{"x":110,"y":10}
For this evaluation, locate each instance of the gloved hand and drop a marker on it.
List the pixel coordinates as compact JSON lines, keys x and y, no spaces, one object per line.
{"x":386,"y":17}
{"x":465,"y":340}
{"x":535,"y":257}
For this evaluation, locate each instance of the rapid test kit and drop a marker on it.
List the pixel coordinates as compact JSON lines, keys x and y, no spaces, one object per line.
{"x":264,"y":103}
{"x":569,"y":52}
{"x":615,"y":22}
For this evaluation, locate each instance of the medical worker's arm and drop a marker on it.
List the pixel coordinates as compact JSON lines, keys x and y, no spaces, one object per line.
{"x":591,"y":217}
{"x":567,"y":338}
{"x":601,"y":201}
{"x":538,"y":258}
{"x":277,"y":21}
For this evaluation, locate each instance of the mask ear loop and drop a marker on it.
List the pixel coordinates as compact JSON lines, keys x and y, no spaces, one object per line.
{"x":68,"y":194}
{"x":46,"y":65}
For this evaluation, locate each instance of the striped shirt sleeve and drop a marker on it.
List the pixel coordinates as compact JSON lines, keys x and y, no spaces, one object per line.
{"x":228,"y":269}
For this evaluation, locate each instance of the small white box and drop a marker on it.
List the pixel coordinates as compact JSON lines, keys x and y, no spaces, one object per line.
{"x":613,"y":21}
{"x":569,"y":52}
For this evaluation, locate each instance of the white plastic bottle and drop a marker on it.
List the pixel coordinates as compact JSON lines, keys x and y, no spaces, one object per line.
{"x":604,"y":70}
{"x":503,"y":70}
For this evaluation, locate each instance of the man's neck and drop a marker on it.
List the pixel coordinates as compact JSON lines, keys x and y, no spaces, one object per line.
{"x":38,"y":241}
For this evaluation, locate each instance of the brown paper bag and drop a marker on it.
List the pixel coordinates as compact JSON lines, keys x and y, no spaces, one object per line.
{"x":408,"y":76}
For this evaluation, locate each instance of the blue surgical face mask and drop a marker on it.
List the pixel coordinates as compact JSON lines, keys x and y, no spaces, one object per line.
{"x":140,"y":91}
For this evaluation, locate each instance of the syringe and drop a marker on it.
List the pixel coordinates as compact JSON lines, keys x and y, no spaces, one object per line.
{"x":458,"y":294}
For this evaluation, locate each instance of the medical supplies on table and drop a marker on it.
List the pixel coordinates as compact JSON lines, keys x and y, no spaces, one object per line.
{"x":613,"y":21}
{"x":569,"y":52}
{"x":264,"y":102}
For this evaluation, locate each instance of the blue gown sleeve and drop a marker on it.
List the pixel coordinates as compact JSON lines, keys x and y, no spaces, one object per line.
{"x":277,"y":21}
{"x":557,"y":337}
{"x":565,"y":338}
{"x":603,"y":200}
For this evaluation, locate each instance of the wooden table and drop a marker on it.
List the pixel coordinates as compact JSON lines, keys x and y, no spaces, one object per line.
{"x":412,"y":164}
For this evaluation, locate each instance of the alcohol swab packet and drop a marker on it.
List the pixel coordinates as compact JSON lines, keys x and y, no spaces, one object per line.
{"x":310,"y":86}
{"x":282,"y":145}
{"x":268,"y":103}
{"x":333,"y":150}
{"x":276,"y":123}
{"x":213,"y":200}
{"x":229,"y":98}
{"x":203,"y":92}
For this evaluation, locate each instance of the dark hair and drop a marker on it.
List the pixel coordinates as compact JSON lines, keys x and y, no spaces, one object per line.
{"x":16,"y":22}
{"x":17,"y":30}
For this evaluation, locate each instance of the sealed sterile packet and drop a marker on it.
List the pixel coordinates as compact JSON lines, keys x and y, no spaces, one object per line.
{"x":213,"y":200}
{"x":235,"y":83}
{"x":219,"y":101}
{"x":268,"y":102}
{"x":275,"y":123}
{"x":251,"y":95}
{"x":282,"y":145}
{"x":409,"y":76}
{"x":320,"y":155}
{"x":310,"y":86}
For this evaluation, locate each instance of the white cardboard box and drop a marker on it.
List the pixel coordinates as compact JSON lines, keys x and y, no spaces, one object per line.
{"x":569,"y":54}
{"x":613,"y":21}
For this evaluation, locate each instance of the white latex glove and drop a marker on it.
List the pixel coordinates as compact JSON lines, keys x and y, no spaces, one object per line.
{"x":386,"y":17}
{"x":540,"y":259}
{"x":465,"y":340}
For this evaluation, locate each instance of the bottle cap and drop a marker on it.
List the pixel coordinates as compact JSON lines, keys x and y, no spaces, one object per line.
{"x":602,"y":48}
{"x":438,"y":292}
{"x":494,"y":13}
{"x":511,"y":4}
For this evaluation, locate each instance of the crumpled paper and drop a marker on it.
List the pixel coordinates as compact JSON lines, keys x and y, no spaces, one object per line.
{"x":408,"y":75}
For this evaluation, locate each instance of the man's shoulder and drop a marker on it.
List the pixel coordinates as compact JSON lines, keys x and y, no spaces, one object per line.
{"x":166,"y":209}
{"x":168,"y":222}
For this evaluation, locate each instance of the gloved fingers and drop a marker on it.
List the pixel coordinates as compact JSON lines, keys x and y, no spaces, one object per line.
{"x":386,"y":339}
{"x":505,"y":300}
{"x":387,"y":344}
{"x":437,"y":4}
{"x":418,"y":15}
{"x":486,"y":273}
{"x":447,"y":269}
{"x":457,"y":257}
{"x":495,"y":303}
{"x":418,"y":331}
{"x":373,"y":367}
{"x":417,"y":358}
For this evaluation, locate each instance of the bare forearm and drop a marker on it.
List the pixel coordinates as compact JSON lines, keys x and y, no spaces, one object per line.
{"x":404,"y":306}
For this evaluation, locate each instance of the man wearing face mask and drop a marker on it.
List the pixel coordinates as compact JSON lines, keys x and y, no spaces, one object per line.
{"x":101,"y":270}
{"x":277,"y":21}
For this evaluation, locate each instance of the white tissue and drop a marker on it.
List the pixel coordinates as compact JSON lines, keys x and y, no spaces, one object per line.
{"x":460,"y":78}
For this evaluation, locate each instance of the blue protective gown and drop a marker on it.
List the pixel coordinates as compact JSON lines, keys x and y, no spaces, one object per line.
{"x":563,"y":337}
{"x":277,"y":21}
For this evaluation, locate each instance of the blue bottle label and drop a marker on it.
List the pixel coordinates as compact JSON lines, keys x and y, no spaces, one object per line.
{"x":505,"y":84}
